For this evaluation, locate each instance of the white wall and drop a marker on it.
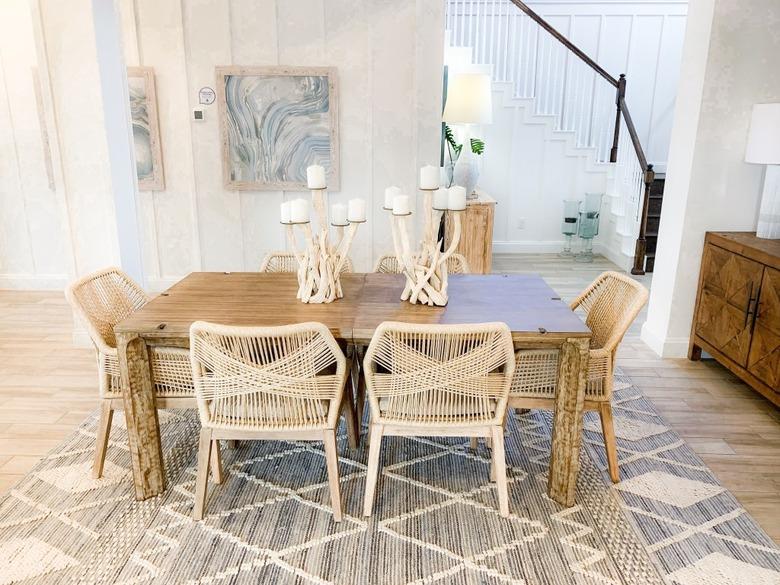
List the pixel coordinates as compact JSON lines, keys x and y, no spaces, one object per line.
{"x":389,"y":59}
{"x":729,"y":64}
{"x":32,"y":246}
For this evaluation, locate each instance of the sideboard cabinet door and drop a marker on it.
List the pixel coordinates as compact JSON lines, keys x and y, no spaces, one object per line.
{"x":729,"y":284}
{"x":764,"y":360}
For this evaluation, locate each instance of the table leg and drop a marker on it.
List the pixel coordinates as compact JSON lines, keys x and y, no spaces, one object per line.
{"x":143,"y":428}
{"x":567,"y":421}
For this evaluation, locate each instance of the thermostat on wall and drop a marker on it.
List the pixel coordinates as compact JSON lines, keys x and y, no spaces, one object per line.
{"x":198,"y":115}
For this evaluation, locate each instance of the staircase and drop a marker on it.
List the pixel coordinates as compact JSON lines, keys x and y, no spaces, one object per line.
{"x":584,"y":115}
{"x":653,"y":219}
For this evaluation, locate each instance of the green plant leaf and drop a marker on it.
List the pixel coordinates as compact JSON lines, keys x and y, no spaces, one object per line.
{"x":450,"y":138}
{"x":477,"y":146}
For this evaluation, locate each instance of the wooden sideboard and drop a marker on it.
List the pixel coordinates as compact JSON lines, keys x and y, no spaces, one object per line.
{"x":737,"y":314}
{"x":476,"y":240}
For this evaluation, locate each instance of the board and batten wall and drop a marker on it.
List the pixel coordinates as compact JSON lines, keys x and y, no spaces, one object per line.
{"x":33,"y":251}
{"x":389,"y":58}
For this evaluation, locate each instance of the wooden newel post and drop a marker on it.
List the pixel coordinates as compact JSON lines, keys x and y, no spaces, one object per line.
{"x":641,"y":243}
{"x":621,"y":94}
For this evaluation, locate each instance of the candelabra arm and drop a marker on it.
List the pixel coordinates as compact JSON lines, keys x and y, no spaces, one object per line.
{"x":345,"y":242}
{"x":455,"y":238}
{"x":290,"y":229}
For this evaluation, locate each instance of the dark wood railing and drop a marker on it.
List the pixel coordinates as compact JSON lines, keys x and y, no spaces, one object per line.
{"x":622,"y":110}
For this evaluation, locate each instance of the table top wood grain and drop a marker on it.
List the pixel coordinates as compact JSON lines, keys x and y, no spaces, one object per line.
{"x":530,"y":308}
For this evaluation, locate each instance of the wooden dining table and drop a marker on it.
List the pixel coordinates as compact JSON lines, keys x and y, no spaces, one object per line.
{"x":535,"y":314}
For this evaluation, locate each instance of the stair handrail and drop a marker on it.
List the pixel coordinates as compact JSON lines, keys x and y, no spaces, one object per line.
{"x":621,"y":111}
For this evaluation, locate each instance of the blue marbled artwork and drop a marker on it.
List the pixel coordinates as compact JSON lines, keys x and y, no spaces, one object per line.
{"x":142,"y":135}
{"x":276,"y":126}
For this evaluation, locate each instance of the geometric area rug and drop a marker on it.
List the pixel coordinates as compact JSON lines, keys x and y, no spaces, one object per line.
{"x":435,"y":515}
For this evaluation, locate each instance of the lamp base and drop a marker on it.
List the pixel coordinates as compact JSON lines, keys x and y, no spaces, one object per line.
{"x":769,"y":214}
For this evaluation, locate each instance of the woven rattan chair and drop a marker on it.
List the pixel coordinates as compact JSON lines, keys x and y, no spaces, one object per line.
{"x":439,"y":380}
{"x":267,"y":383}
{"x":101,"y":300}
{"x":610,"y":304}
{"x":388,"y":264}
{"x":286,"y":262}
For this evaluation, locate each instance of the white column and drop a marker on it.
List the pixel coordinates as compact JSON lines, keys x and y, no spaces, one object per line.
{"x":119,"y":133}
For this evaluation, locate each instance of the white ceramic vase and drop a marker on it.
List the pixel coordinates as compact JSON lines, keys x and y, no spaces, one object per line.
{"x":466,"y":172}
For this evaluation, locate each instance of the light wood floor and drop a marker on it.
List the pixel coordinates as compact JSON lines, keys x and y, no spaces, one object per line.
{"x":47,"y":387}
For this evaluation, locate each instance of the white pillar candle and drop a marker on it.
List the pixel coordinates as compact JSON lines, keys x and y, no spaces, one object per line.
{"x":338,"y":214}
{"x":457,"y":198}
{"x":357,"y":210}
{"x":401,"y":205}
{"x":390,"y":194}
{"x":299,"y":212}
{"x":286,"y":209}
{"x":315,"y":177}
{"x":441,"y":198}
{"x":429,"y":177}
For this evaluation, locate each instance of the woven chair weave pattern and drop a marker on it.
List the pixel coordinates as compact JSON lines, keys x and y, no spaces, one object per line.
{"x":105,"y":298}
{"x":610,"y":304}
{"x":282,"y":378}
{"x":434,"y":375}
{"x":536,"y":374}
{"x":286,"y":262}
{"x":171,"y":373}
{"x":388,"y":264}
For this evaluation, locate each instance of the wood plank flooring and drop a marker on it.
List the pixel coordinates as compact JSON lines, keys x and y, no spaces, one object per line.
{"x":47,"y":387}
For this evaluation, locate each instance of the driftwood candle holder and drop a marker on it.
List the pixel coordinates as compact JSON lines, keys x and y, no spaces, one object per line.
{"x":426,"y":267}
{"x":320,"y":263}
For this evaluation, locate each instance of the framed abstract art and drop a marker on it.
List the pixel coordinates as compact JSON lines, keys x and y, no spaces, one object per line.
{"x":275,"y":122}
{"x":146,"y":129}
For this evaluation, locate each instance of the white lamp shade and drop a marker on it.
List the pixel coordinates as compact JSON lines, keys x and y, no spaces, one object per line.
{"x":763,"y":144}
{"x":469,"y":99}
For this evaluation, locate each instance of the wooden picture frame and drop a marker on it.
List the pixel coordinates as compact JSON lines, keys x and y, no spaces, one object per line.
{"x":146,"y":128}
{"x":252,"y":164}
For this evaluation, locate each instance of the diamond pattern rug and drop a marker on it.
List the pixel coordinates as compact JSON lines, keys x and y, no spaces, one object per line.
{"x":435,"y":516}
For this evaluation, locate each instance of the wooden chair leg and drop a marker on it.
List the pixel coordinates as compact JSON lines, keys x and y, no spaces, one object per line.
{"x":360,"y":394}
{"x":348,"y":408}
{"x":499,"y":466}
{"x":473,"y":444}
{"x":373,"y":468}
{"x":216,"y":463}
{"x":610,"y":443}
{"x":332,"y":459}
{"x":101,"y":443}
{"x":202,"y":479}
{"x":492,"y":467}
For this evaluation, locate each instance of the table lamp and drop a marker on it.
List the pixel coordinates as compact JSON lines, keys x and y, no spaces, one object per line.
{"x":763,"y":148}
{"x":469,"y":101}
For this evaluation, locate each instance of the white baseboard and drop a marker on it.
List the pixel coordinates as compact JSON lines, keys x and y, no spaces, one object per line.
{"x":33,"y":281}
{"x":670,"y":347}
